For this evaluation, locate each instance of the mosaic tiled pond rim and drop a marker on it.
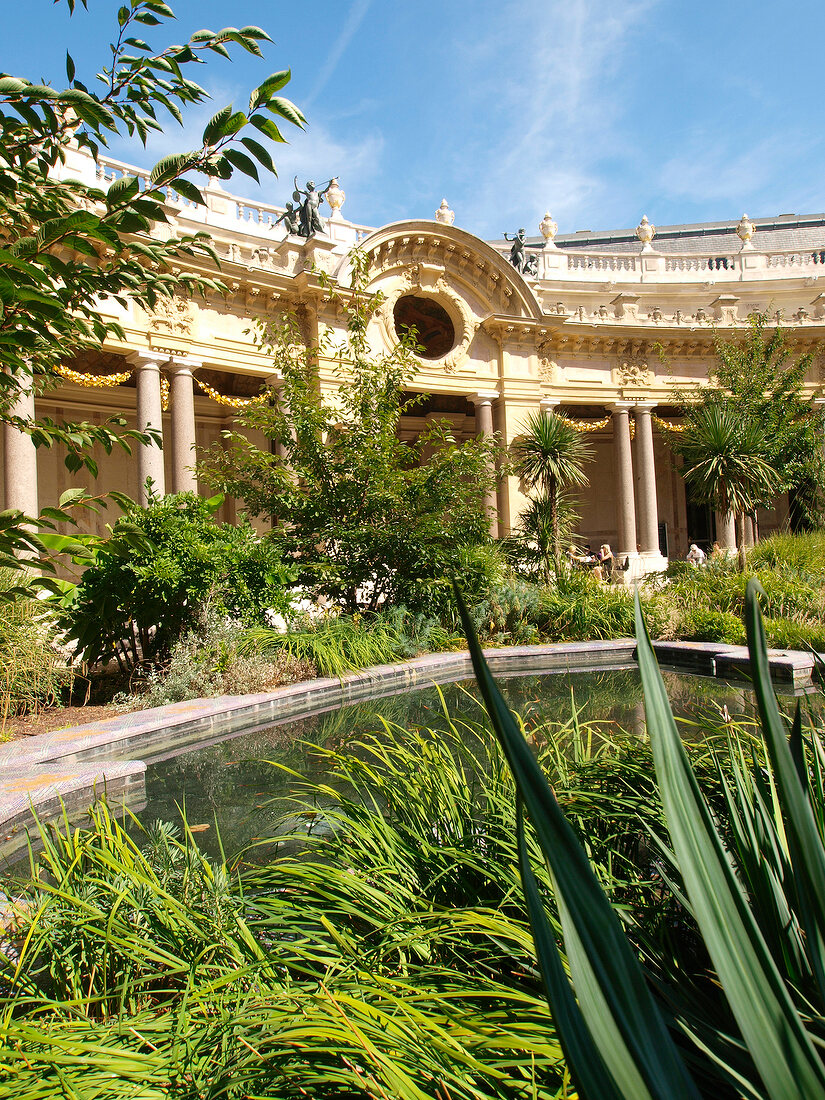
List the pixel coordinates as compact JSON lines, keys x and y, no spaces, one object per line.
{"x":70,"y":766}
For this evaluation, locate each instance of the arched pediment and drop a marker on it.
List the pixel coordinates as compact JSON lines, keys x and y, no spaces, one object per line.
{"x":427,"y":251}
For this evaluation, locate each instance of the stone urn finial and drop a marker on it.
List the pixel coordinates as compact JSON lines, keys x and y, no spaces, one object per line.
{"x":444,"y":214}
{"x":744,"y":231}
{"x":548,"y":229}
{"x":335,"y":197}
{"x":645,"y":232}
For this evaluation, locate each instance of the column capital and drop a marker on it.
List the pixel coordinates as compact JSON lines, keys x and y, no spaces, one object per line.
{"x":182,"y":363}
{"x":645,"y":406}
{"x":155,"y":359}
{"x":620,"y":406}
{"x":483,"y":397}
{"x":549,"y":403}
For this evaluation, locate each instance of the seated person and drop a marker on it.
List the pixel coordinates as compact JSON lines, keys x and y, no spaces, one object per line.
{"x":696,"y":556}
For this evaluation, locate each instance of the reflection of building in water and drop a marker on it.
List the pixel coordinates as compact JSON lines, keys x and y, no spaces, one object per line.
{"x":604,"y":331}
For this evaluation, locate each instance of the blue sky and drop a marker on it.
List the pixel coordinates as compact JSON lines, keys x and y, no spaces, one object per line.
{"x":598,"y":111}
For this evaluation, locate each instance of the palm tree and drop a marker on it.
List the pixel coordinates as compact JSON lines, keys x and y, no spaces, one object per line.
{"x":550,"y":457}
{"x":726,"y":464}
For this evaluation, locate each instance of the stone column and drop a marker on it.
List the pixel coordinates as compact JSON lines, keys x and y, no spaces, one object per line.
{"x":182,"y":403}
{"x":625,"y":504}
{"x":149,"y":415}
{"x":483,"y":402}
{"x":647,"y":503}
{"x":726,"y":532}
{"x":549,"y":405}
{"x":20,"y":460}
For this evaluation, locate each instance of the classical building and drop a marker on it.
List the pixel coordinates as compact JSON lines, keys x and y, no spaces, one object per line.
{"x":599,"y":327}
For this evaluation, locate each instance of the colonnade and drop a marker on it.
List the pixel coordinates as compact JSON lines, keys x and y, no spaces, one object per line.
{"x":20,"y":453}
{"x":637,"y":513}
{"x":150,"y":416}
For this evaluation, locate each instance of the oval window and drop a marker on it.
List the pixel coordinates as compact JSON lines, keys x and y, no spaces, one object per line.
{"x":434,"y":331}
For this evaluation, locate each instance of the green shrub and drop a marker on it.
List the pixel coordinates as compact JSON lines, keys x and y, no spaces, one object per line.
{"x":510,"y":613}
{"x":215,"y":659}
{"x":708,"y":625}
{"x":157,"y":572}
{"x":580,"y":607}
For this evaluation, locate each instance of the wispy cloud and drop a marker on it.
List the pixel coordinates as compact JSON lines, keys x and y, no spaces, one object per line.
{"x":757,"y":177}
{"x":563,"y":91}
{"x":353,"y":22}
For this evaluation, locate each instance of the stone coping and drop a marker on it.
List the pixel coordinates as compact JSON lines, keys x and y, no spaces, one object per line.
{"x":73,"y":765}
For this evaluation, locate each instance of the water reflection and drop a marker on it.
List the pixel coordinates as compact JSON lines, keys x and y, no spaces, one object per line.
{"x":234,"y":794}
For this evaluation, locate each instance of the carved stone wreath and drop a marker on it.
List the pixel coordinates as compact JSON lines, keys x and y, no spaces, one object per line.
{"x":430,"y":282}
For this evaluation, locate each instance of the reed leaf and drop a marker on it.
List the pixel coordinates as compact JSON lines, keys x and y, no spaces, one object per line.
{"x":772,"y":1030}
{"x":626,"y":1028}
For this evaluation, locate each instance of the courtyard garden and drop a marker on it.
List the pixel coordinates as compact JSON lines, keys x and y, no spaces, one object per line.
{"x":483,"y":904}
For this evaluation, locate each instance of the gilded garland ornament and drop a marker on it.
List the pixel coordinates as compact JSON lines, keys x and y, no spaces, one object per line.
{"x":586,"y":425}
{"x":93,"y":380}
{"x":229,"y":402}
{"x":667,"y":425}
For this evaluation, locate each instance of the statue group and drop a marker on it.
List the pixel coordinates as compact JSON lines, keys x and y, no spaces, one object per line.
{"x":304,"y":220}
{"x":523,"y":263}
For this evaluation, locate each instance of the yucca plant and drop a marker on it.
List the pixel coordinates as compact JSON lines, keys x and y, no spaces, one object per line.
{"x":755,"y":1028}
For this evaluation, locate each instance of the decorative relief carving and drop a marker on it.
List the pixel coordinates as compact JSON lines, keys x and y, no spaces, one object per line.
{"x":632,"y":370}
{"x":172,"y":317}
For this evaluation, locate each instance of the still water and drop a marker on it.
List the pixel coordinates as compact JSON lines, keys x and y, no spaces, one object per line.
{"x":234,"y":794}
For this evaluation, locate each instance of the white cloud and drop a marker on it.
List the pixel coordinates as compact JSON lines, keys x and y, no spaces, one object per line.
{"x":771,"y":173}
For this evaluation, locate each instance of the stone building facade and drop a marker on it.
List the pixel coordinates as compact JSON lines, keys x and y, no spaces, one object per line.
{"x":602,"y":330}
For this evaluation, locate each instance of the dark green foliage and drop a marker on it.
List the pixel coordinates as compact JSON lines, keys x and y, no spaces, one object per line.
{"x":755,"y":433}
{"x":160,"y":568}
{"x":369,"y":519}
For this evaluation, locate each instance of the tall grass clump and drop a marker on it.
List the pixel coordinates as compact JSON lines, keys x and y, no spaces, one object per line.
{"x":34,"y":672}
{"x":337,"y":644}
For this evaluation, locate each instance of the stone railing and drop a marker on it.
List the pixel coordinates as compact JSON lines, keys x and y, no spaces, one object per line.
{"x":222,"y":209}
{"x":576,"y":265}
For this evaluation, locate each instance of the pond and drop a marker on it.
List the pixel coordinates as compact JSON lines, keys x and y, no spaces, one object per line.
{"x":234,"y":793}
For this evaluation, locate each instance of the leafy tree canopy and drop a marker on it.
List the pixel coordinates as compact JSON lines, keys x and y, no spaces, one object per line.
{"x":66,"y":245}
{"x":758,"y":379}
{"x":367,"y":517}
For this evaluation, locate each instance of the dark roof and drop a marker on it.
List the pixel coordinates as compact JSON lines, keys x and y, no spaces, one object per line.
{"x":786,"y":232}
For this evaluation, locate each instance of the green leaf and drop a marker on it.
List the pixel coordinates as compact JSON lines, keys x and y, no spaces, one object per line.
{"x":214,"y":127}
{"x":168,"y":168}
{"x":243,"y":163}
{"x":259,"y":151}
{"x":264,"y":92}
{"x":286,"y":109}
{"x":804,"y":840}
{"x":122,"y":190}
{"x":611,"y":987}
{"x":189,"y":191}
{"x":770,"y":1025}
